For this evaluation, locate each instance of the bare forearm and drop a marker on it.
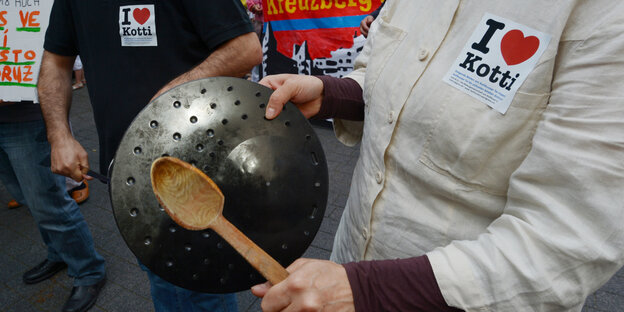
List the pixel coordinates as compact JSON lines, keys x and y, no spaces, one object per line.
{"x":54,"y":90}
{"x":234,"y":58}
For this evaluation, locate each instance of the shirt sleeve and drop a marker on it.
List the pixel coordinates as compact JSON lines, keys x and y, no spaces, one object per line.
{"x":395,"y":285}
{"x":342,"y":98}
{"x":349,"y":132}
{"x":218,"y":21}
{"x":561,"y":235}
{"x":60,"y":38}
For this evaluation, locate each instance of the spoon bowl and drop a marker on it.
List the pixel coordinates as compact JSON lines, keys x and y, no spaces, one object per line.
{"x":195,"y":202}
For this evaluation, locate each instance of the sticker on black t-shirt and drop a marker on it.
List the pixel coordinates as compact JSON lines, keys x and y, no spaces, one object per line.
{"x":137,"y":26}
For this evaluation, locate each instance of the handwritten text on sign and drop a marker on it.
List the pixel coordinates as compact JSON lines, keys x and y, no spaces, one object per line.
{"x":22,"y":29}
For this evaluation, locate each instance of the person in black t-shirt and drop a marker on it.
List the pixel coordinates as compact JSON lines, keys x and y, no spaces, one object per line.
{"x":132,"y":52}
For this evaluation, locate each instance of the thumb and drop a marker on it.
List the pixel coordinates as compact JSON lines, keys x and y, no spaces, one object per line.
{"x":261,"y":289}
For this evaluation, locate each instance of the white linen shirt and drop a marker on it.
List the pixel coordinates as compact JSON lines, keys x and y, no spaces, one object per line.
{"x":521,"y":211}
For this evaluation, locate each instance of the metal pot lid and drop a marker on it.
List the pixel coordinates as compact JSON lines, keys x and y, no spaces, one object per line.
{"x":273,"y":174}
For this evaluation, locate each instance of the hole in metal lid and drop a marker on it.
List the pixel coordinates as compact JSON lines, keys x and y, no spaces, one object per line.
{"x":193,"y":119}
{"x":212,"y":154}
{"x":199,"y":148}
{"x":315,"y":160}
{"x":165,"y":155}
{"x":205,"y":234}
{"x":213,"y":105}
{"x":172,"y":229}
{"x":220,"y":142}
{"x":219,"y":245}
{"x":317,"y":184}
{"x":195,"y":276}
{"x":177,"y":104}
{"x":230,"y":88}
{"x":130,"y":181}
{"x":258,"y":94}
{"x":137,"y":150}
{"x":169,"y":263}
{"x":262,"y":105}
{"x":206,"y":261}
{"x":134,"y":212}
{"x":313,"y":213}
{"x":284,"y":246}
{"x":237,"y":102}
{"x":203,"y":91}
{"x":306,"y":233}
{"x":244,"y":116}
{"x":154,"y":124}
{"x":224,"y":121}
{"x":308,"y":137}
{"x":193,"y":163}
{"x":287,"y":123}
{"x":177,"y":136}
{"x":147,"y":241}
{"x":210,"y":133}
{"x":187,"y":247}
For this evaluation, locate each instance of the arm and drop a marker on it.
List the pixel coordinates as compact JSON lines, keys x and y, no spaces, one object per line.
{"x":235,"y":58}
{"x":67,"y":157}
{"x":319,"y":97}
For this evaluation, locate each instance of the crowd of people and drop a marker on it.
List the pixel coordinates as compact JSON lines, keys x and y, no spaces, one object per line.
{"x":464,"y":197}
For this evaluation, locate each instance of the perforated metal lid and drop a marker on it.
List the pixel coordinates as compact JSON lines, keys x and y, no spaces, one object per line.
{"x":273,"y":175}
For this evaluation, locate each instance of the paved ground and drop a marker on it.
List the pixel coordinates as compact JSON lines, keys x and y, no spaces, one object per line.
{"x":128,"y":288}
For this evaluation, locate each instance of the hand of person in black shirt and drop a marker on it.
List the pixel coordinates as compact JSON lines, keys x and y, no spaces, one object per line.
{"x":313,"y":285}
{"x":304,"y":91}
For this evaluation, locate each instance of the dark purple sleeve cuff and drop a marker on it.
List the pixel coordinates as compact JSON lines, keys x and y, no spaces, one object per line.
{"x":395,"y":285}
{"x":342,"y":98}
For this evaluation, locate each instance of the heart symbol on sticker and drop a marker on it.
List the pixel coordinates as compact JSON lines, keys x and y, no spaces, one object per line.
{"x":516,"y":48}
{"x":141,"y":15}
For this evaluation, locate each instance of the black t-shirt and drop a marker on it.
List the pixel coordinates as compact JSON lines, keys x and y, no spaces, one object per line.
{"x":130,"y":49}
{"x":19,"y":112}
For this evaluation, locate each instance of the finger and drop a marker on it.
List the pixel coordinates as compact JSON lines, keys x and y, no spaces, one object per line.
{"x":87,"y":177}
{"x":273,"y":81}
{"x":76,"y":174}
{"x":276,"y":298}
{"x":279,"y":98}
{"x":261,"y":289}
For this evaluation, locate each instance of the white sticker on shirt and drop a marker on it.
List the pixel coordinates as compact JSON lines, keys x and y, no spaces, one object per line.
{"x":137,"y":26}
{"x":496,"y":60}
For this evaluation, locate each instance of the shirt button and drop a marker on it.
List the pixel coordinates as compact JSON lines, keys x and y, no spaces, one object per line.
{"x":422,"y":54}
{"x":390,"y":117}
{"x":378,"y":177}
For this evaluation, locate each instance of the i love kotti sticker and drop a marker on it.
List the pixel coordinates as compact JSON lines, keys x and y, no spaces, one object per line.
{"x":498,"y":57}
{"x":137,"y":26}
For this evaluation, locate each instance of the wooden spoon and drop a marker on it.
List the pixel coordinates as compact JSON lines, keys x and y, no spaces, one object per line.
{"x":195,"y":202}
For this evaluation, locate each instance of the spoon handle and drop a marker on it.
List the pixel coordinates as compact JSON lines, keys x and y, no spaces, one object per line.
{"x":258,"y":258}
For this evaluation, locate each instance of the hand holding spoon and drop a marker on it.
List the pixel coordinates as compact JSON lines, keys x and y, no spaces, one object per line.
{"x":195,"y":202}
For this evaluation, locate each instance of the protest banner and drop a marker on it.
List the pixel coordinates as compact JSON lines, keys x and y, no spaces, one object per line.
{"x":314,"y":37}
{"x":22,"y":30}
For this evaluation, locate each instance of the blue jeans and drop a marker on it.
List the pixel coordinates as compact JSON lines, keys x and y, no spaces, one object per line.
{"x":169,"y":298}
{"x":25,"y":172}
